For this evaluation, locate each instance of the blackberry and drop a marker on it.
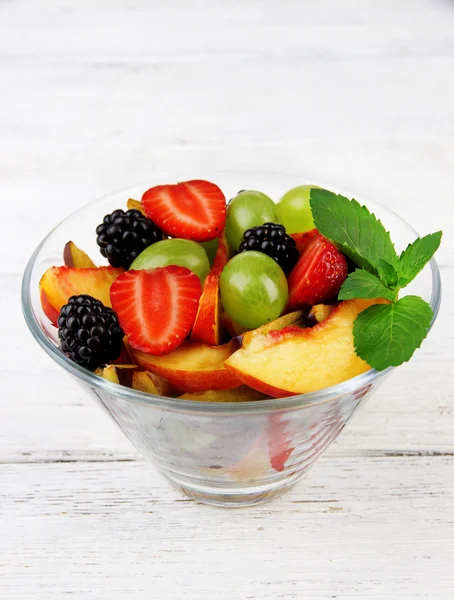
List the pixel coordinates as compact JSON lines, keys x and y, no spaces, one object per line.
{"x":272,"y":239}
{"x":123,"y":235}
{"x":89,"y":332}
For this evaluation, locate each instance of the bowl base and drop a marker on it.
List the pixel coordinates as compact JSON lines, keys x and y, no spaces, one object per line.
{"x":233,"y":496}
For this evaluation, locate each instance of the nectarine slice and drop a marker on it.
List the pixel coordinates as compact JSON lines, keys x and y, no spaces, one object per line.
{"x":231,"y":327}
{"x":206,"y":327}
{"x":76,"y":258}
{"x":243,"y":393}
{"x":223,"y":254}
{"x":151,"y":383}
{"x":291,"y":319}
{"x":135,"y":205}
{"x":320,"y":312}
{"x":296,"y":361}
{"x":109,"y":373}
{"x":192,"y":367}
{"x":58,"y":284}
{"x":51,"y":313}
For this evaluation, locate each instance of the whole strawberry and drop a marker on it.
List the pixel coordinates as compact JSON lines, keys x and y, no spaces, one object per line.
{"x":318,"y":275}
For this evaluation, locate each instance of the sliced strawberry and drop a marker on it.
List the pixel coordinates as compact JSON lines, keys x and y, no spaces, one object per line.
{"x":156,"y":308}
{"x":302,"y":239}
{"x":192,"y":209}
{"x":318,"y":274}
{"x":280,"y":445}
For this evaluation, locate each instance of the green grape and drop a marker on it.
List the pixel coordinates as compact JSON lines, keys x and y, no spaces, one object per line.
{"x":248,"y":209}
{"x":254,"y":289}
{"x":294,"y":209}
{"x":175,"y":251}
{"x":211,"y":247}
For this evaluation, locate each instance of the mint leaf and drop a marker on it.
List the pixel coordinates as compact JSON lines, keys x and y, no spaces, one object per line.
{"x":386,"y":335}
{"x":416,"y":256}
{"x":353,"y":229}
{"x":362,"y":284}
{"x":387,"y":272}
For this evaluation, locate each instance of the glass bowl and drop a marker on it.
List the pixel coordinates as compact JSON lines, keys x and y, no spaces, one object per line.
{"x":229,"y":454}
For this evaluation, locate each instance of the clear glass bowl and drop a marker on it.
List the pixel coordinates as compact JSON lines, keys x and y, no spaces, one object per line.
{"x":229,"y":454}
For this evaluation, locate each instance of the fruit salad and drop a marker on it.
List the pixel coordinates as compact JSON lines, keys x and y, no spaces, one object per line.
{"x":214,"y":301}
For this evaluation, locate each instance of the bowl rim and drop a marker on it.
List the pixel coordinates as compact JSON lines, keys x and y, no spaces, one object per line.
{"x":185,"y":405}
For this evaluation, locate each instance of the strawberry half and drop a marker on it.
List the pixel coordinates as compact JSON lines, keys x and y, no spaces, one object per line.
{"x":318,"y":274}
{"x":302,"y":239}
{"x":192,"y":209}
{"x":156,"y":308}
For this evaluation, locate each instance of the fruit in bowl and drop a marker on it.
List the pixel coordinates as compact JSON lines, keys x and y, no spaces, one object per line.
{"x":213,"y":304}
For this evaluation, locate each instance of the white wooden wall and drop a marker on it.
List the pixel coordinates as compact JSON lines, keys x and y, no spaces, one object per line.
{"x":96,"y":95}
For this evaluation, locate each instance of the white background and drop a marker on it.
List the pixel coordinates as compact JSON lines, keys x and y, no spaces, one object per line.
{"x":96,"y":95}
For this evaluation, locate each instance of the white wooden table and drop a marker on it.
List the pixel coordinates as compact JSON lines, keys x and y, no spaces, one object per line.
{"x":96,"y":95}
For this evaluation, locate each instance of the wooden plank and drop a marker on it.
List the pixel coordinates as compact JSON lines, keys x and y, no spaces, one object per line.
{"x":355,"y":528}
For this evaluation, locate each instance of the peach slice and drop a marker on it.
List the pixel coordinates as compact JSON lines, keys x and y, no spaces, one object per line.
{"x":231,"y":327}
{"x":192,"y":367}
{"x":291,"y":319}
{"x":109,"y":373}
{"x":76,"y":258}
{"x":296,"y":361}
{"x":58,"y":284}
{"x":320,"y":312}
{"x":51,"y":313}
{"x":243,"y":393}
{"x":144,"y":381}
{"x":135,"y":205}
{"x":207,"y":328}
{"x":223,"y":254}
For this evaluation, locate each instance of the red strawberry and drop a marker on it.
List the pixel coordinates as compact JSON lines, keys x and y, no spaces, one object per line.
{"x":156,"y":308}
{"x":192,"y":209}
{"x":302,"y":239}
{"x":318,"y":274}
{"x":279,"y":442}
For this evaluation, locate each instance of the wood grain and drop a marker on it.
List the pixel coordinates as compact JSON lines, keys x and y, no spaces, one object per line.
{"x":117,"y":529}
{"x":96,"y":96}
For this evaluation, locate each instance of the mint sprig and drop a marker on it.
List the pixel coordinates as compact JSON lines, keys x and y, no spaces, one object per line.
{"x":415,"y":257}
{"x":355,"y":231}
{"x":362,"y":284}
{"x":385,"y":335}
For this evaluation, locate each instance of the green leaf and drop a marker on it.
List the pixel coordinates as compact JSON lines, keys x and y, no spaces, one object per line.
{"x":353,"y":229}
{"x":416,"y":256}
{"x":388,"y":274}
{"x":386,"y":335}
{"x":362,"y":284}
